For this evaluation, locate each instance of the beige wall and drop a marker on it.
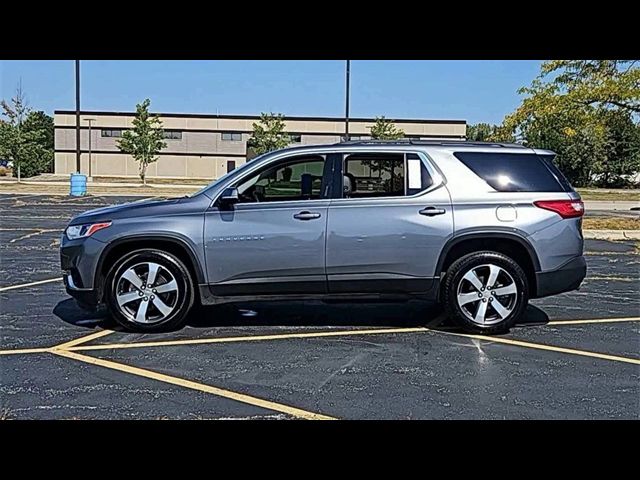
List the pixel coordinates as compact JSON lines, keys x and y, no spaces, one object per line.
{"x":328,"y":126}
{"x":202,"y":154}
{"x":167,"y":166}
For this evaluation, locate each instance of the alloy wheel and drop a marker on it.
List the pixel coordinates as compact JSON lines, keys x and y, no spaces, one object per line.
{"x":146,"y":293}
{"x":487,"y":294}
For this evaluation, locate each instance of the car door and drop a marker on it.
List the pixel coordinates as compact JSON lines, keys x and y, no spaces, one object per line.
{"x":273,"y":239}
{"x":386,"y":232}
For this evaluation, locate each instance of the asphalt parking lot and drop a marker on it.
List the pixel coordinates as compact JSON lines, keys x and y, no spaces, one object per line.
{"x":576,"y":355}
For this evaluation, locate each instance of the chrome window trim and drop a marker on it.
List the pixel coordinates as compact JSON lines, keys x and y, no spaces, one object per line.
{"x":438,"y":179}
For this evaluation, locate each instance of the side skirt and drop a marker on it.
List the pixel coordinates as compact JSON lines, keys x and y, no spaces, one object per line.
{"x":208,"y":298}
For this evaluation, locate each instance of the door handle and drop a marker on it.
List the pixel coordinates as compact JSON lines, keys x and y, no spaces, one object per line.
{"x":432,"y":211}
{"x":306,"y":215}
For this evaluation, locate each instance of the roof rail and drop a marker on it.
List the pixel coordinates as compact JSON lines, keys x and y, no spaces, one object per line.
{"x":411,"y":141}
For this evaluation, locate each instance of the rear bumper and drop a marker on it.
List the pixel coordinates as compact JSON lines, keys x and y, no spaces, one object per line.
{"x":564,"y":279}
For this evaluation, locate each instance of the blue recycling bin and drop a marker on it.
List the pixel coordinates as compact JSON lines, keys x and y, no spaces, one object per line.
{"x":78,"y":185}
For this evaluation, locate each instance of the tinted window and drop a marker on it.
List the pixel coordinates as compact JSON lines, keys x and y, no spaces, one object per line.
{"x":511,"y":172}
{"x":295,"y":179}
{"x":374,"y":175}
{"x":548,"y":160}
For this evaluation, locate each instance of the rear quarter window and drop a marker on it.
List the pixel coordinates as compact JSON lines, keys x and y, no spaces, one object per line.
{"x":512,"y":172}
{"x":549,"y":162}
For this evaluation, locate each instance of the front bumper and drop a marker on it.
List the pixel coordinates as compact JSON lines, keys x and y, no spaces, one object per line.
{"x":564,"y":279}
{"x":87,"y":298}
{"x":79,"y":261}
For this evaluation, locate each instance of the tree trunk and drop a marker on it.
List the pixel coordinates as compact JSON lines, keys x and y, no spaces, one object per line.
{"x":143,"y":173}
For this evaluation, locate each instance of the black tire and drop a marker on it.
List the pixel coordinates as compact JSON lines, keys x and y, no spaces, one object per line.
{"x":454,"y":284}
{"x":181,"y":303}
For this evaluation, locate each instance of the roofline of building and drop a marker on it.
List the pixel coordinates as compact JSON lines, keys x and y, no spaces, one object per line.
{"x":256,"y":117}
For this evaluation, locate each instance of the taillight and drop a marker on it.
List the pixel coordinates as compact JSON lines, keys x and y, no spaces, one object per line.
{"x":564,"y":208}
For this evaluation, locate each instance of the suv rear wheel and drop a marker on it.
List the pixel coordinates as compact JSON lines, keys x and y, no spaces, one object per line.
{"x":485,"y":292}
{"x":149,"y":290}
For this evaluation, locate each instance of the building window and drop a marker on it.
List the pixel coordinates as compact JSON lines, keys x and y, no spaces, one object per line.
{"x":360,"y":137}
{"x":294,"y":138}
{"x":173,"y":134}
{"x":232,"y":137}
{"x":111,"y":133}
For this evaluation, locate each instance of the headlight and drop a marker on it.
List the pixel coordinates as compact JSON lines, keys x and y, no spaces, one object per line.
{"x":81,"y":231}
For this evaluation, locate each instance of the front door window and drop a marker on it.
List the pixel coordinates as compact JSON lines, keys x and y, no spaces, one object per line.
{"x":299,"y":178}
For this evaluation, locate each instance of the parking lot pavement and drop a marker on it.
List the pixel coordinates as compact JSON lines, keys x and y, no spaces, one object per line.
{"x":576,"y":355}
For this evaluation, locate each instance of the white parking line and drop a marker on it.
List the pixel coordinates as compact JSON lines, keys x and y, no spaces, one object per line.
{"x":31,"y":284}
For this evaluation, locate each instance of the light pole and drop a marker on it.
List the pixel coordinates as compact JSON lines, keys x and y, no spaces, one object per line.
{"x":90,"y":121}
{"x":348,"y":88}
{"x":78,"y":116}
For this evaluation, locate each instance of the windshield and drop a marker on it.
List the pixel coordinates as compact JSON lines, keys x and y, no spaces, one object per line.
{"x":227,"y":175}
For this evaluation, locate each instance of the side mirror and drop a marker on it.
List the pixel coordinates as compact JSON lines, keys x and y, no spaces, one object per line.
{"x":229,"y":196}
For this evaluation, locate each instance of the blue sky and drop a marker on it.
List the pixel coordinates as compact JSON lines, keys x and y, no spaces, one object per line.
{"x":475,"y":90}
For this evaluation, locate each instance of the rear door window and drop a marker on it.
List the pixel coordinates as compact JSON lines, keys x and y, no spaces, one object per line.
{"x":371,"y":175}
{"x":512,"y":172}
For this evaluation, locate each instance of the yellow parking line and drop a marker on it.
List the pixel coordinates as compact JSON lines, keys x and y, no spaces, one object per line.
{"x":339,"y":333}
{"x":85,"y":339}
{"x":181,"y":382}
{"x":24,"y":350}
{"x":249,"y":338}
{"x":595,"y":320}
{"x":551,"y":348}
{"x":76,"y":345}
{"x":31,"y":284}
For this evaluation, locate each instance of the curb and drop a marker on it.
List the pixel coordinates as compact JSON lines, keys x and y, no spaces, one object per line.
{"x":611,"y":234}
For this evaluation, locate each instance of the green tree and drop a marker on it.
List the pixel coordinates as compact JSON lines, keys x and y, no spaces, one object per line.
{"x":268,"y":134}
{"x":26,"y":137}
{"x":622,"y":149}
{"x":582,"y":110}
{"x":604,"y":83}
{"x":481,"y":132}
{"x":145,"y":140}
{"x":385,"y":129}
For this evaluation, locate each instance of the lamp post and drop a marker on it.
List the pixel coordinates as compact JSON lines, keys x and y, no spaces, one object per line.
{"x":348,"y":88}
{"x":78,"y":116}
{"x":90,"y":121}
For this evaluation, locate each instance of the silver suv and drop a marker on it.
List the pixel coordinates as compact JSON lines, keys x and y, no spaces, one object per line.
{"x":478,"y":227}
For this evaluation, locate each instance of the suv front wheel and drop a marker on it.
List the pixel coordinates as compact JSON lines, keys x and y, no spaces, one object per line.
{"x":485,"y":292}
{"x":149,"y":290}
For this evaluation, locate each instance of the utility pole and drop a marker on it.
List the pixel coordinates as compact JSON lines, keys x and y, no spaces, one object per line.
{"x":348,"y":88}
{"x":89,"y":121}
{"x":78,"y":116}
